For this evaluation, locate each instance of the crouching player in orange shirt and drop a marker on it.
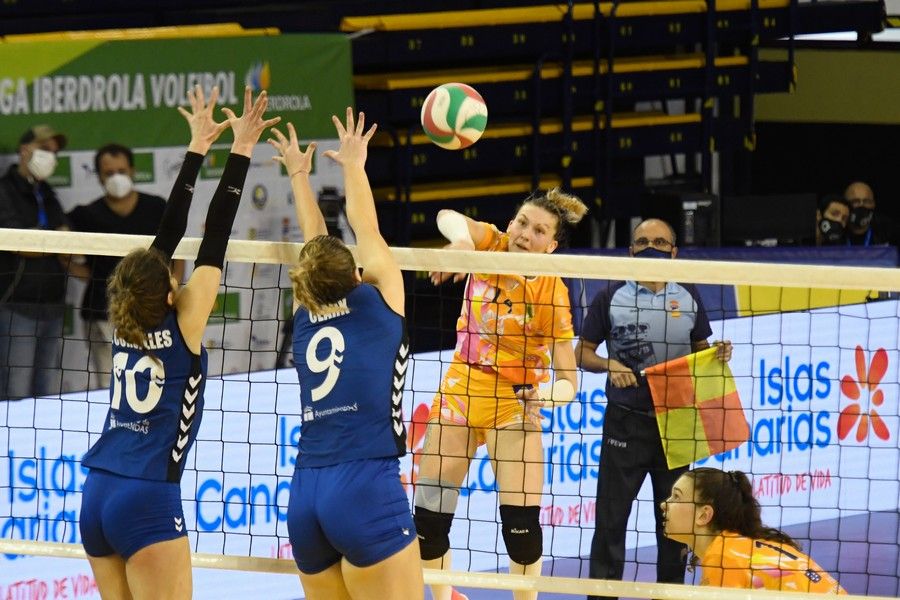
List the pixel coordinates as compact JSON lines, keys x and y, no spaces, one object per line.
{"x":716,"y":515}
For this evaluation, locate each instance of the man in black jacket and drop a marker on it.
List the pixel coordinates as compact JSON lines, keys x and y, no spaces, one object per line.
{"x":122,"y":209}
{"x":32,"y":284}
{"x":867,"y":227}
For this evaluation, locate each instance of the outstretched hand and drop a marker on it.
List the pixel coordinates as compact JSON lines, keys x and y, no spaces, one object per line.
{"x":439,"y":277}
{"x":204,"y":129}
{"x":354,"y":142}
{"x":289,"y":153}
{"x":250,"y":125}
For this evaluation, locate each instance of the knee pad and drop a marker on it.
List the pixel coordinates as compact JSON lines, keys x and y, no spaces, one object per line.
{"x":436,"y":496}
{"x":433,"y":529}
{"x":522,"y":533}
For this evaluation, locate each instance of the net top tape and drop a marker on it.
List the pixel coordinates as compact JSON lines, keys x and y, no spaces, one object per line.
{"x":426,"y":259}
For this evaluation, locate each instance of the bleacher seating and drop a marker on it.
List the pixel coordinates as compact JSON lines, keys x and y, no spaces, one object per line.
{"x":553,"y":75}
{"x":670,"y":76}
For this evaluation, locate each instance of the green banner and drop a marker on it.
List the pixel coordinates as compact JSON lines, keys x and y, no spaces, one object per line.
{"x":128,"y":90}
{"x":227,"y":306}
{"x":143,"y":167}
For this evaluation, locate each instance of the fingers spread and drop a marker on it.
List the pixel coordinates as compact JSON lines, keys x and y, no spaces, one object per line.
{"x":259,"y":107}
{"x":279,"y":135}
{"x":200,"y":98}
{"x":350,"y":127}
{"x":338,"y":126}
{"x":248,"y":95}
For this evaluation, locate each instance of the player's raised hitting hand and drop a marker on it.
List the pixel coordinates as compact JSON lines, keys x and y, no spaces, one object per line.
{"x":204,"y":129}
{"x":250,"y":125}
{"x":354,"y":142}
{"x":439,"y":277}
{"x":294,"y":160}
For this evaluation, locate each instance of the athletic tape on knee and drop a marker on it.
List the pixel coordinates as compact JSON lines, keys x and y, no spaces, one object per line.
{"x":433,"y":529}
{"x":522,"y":533}
{"x":436,"y":496}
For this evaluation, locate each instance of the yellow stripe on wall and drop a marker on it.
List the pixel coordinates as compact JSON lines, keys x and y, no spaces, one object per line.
{"x":145,"y":33}
{"x":757,"y":300}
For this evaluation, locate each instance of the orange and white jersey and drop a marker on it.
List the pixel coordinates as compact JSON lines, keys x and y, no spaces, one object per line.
{"x":733,"y":560}
{"x":509,"y":322}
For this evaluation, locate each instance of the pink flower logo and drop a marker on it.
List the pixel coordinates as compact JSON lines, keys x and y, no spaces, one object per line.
{"x":867,"y":380}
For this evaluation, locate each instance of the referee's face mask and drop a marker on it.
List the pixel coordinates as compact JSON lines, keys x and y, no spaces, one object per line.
{"x":660,"y":247}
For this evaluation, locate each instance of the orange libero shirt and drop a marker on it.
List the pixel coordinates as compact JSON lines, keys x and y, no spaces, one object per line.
{"x":509,"y":322}
{"x":735,"y":561}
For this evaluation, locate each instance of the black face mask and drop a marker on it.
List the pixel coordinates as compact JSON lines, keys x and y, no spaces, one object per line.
{"x":832,"y":232}
{"x":861,"y":217}
{"x":650,"y":252}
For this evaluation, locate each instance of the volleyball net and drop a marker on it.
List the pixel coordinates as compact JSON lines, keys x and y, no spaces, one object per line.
{"x":814,"y":365}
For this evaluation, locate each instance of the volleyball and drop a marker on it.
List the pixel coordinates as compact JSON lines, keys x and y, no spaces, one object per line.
{"x":454,"y":116}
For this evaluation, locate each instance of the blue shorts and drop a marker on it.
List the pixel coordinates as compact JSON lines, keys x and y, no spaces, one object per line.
{"x":121,"y":515}
{"x":357,"y":510}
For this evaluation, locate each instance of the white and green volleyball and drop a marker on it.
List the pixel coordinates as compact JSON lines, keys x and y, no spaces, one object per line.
{"x":454,"y":116}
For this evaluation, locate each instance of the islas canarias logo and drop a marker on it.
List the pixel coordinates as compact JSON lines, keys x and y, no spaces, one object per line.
{"x":866,"y":398}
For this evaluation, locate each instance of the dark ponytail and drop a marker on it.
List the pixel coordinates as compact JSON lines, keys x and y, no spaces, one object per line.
{"x":734,"y":508}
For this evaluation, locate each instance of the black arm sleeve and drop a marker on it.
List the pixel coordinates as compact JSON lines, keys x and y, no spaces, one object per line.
{"x":222,"y":211}
{"x":175,"y":217}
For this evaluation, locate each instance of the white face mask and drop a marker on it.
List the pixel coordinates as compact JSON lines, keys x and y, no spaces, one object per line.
{"x":42,"y":164}
{"x":118,"y":185}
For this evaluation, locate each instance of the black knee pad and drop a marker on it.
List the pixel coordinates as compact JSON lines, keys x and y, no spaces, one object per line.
{"x":433,"y":529}
{"x":522,"y":533}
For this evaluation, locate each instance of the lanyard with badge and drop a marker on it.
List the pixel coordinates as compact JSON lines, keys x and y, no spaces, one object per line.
{"x":43,"y":221}
{"x":866,"y":240}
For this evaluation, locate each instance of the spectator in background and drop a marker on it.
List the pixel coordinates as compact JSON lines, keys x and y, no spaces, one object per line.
{"x":866,"y":228}
{"x":832,"y":217}
{"x":122,"y":209}
{"x":32,"y":284}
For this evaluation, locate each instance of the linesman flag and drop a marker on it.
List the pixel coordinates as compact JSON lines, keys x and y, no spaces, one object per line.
{"x":697,"y":406}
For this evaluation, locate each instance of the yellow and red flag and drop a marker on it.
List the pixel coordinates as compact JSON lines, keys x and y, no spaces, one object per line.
{"x":698,"y":409}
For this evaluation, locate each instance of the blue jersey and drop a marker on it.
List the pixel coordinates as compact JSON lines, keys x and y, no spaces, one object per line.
{"x":351,"y":361}
{"x":156,"y":402}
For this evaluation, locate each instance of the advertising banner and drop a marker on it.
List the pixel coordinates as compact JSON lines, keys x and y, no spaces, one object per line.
{"x":126,"y":92}
{"x":819,"y":388}
{"x":97,"y":91}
